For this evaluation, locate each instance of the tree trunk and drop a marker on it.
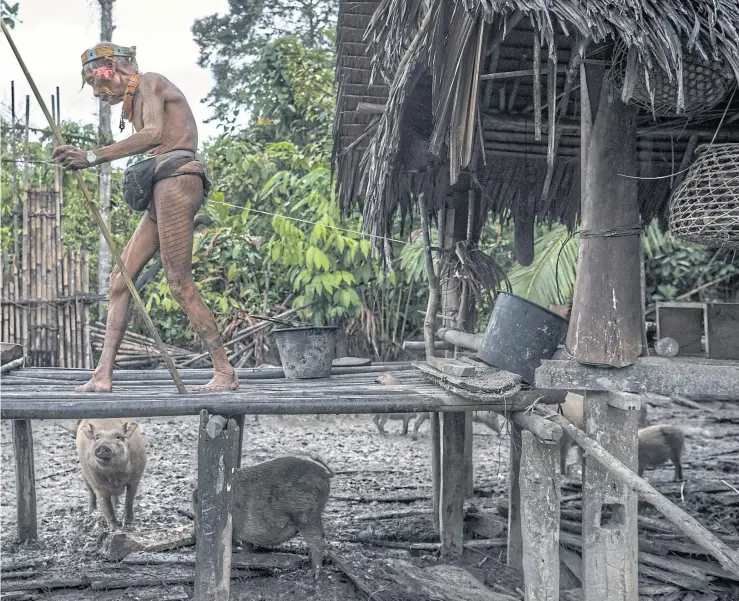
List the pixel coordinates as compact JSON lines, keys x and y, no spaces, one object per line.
{"x":105,"y":138}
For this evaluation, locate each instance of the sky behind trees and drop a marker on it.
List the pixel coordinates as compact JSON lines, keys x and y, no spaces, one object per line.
{"x":52,"y":34}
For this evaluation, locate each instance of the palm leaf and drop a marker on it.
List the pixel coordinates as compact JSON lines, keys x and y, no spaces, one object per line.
{"x":538,"y":281}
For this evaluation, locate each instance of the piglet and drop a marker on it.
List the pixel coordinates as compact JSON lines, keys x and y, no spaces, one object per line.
{"x":659,"y":443}
{"x":113,"y":458}
{"x":381,"y":419}
{"x":572,"y":410}
{"x":489,"y":418}
{"x":275,"y":500}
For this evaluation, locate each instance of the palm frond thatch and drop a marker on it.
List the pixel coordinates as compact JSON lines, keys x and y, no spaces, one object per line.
{"x":662,"y":34}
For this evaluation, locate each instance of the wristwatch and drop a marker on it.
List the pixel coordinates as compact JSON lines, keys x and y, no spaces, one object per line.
{"x":91,"y":158}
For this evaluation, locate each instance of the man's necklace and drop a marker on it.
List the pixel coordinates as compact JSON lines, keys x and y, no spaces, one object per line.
{"x":127,"y":111}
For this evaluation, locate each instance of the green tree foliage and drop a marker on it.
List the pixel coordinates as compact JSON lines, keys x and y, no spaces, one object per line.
{"x":9,"y":13}
{"x":230,"y":44}
{"x":674,"y":269}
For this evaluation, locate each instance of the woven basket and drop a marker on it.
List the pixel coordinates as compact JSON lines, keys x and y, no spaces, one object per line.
{"x":705,"y":84}
{"x":704,"y":208}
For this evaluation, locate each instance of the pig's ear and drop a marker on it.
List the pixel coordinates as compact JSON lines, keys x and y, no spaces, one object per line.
{"x":129,"y":427}
{"x":89,"y":432}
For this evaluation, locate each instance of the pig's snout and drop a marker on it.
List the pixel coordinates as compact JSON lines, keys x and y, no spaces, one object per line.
{"x":103,"y":451}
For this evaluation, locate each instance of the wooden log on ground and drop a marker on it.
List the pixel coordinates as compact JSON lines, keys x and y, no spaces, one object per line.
{"x":244,"y":561}
{"x":354,"y":578}
{"x":605,"y":328}
{"x":451,"y":510}
{"x":728,"y":558}
{"x":515,"y":541}
{"x":10,"y":352}
{"x":10,"y":366}
{"x":443,"y":583}
{"x":611,"y":542}
{"x":539,"y":498}
{"x":25,"y":481}
{"x":217,"y":443}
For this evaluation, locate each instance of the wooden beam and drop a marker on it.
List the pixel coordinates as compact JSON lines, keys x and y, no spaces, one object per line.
{"x":515,"y":540}
{"x":25,"y":481}
{"x":539,"y":488}
{"x":605,"y":328}
{"x":469,"y":476}
{"x":217,"y":442}
{"x":684,"y":522}
{"x":451,"y":510}
{"x":679,"y":375}
{"x":609,"y":527}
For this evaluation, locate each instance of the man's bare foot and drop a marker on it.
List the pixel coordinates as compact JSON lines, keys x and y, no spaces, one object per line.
{"x":96,"y":384}
{"x":220,"y":381}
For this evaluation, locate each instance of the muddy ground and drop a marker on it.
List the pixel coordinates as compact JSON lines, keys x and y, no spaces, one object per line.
{"x":367,"y":466}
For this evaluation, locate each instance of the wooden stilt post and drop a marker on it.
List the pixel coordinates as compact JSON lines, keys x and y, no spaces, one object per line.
{"x":217,"y":442}
{"x":469,"y":476}
{"x":539,"y":498}
{"x":609,"y":528}
{"x":606,"y":328}
{"x":515,"y":541}
{"x":25,"y":480}
{"x":240,"y":419}
{"x":436,"y":466}
{"x":451,"y":511}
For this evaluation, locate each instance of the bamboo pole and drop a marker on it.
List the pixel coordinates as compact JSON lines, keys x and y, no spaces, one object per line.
{"x":14,"y":168}
{"x":34,"y":310}
{"x":103,"y":228}
{"x":26,"y":239}
{"x":68,"y":346}
{"x":72,"y":308}
{"x":6,"y":306}
{"x":86,"y":310}
{"x":16,"y":310}
{"x":78,"y":306}
{"x":57,"y":244}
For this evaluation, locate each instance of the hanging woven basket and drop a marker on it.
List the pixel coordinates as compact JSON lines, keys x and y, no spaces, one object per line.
{"x":704,"y":208}
{"x":704,"y":84}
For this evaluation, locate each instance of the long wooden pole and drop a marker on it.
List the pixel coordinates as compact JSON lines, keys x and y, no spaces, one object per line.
{"x":103,"y":228}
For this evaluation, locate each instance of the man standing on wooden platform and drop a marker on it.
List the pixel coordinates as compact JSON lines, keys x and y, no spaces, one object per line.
{"x":170,"y":186}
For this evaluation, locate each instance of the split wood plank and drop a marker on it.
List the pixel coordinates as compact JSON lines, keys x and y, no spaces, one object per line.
{"x":679,"y":375}
{"x":490,"y":382}
{"x":451,"y":506}
{"x":610,"y":544}
{"x":25,"y":481}
{"x":515,"y":540}
{"x":451,"y":367}
{"x":217,"y":442}
{"x":539,"y":497}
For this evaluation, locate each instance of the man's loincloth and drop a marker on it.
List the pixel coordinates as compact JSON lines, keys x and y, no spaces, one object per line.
{"x":139,"y":179}
{"x":171,"y":161}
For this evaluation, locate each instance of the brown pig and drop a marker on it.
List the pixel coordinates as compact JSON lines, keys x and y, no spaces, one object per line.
{"x":275,"y":500}
{"x":659,"y":443}
{"x":113,"y":458}
{"x":381,"y":419}
{"x":572,"y":410}
{"x":489,"y":418}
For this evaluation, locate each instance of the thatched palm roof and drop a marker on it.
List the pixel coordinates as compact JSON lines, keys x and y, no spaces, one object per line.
{"x":451,"y":93}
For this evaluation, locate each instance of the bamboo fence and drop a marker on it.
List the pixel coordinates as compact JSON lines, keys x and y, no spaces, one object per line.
{"x":45,"y":291}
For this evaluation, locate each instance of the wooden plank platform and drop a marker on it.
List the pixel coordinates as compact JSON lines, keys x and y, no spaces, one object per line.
{"x":30,"y":393}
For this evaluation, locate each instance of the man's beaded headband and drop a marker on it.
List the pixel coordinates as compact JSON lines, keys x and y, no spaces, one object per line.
{"x":105,"y":51}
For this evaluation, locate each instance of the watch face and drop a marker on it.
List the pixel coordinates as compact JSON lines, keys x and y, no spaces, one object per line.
{"x":91,"y":157}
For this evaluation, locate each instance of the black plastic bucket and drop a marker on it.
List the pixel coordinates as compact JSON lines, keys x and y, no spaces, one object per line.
{"x":519,"y":335}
